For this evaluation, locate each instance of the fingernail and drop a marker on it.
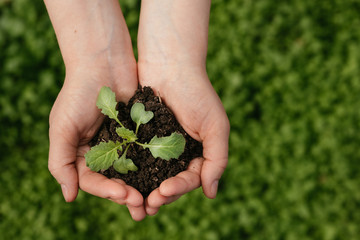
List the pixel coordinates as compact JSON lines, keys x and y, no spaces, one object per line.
{"x":214,"y":187}
{"x":64,"y":190}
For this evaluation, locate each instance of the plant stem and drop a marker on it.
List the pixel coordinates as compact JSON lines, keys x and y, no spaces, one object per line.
{"x":142,"y":144}
{"x":120,"y":122}
{"x":127,"y":147}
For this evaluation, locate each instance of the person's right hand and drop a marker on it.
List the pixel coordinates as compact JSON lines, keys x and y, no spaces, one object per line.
{"x":97,"y":51}
{"x":74,"y":120}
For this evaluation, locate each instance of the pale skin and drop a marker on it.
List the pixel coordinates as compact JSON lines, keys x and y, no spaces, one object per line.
{"x":172,"y":43}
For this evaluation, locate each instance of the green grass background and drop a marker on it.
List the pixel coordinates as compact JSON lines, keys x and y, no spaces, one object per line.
{"x":288,"y":73}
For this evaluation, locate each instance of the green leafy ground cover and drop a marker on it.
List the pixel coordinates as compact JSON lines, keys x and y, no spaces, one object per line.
{"x":288,"y":73}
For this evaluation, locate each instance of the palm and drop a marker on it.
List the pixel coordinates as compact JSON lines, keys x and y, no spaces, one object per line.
{"x":75,"y":112}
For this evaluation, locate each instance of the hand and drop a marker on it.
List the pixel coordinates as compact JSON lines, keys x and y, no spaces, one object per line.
{"x":74,"y":120}
{"x":189,"y":94}
{"x":172,"y":44}
{"x":96,"y":47}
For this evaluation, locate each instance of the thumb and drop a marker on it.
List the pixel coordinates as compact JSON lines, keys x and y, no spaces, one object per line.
{"x":62,"y":156}
{"x":215,"y":153}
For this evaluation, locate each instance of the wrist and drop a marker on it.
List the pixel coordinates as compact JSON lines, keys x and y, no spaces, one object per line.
{"x":105,"y":51}
{"x":161,"y":76}
{"x":173,"y":32}
{"x":121,"y":78}
{"x":103,"y":72}
{"x":90,"y":32}
{"x":101,"y":64}
{"x":172,"y":59}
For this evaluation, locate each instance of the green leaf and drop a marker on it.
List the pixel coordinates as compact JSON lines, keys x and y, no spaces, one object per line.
{"x":124,"y":165}
{"x":106,"y":101}
{"x":166,"y":147}
{"x":127,"y":134}
{"x":103,"y":155}
{"x":139,"y":115}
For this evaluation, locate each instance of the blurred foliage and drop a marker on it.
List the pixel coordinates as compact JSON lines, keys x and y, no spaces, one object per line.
{"x":288,"y":75}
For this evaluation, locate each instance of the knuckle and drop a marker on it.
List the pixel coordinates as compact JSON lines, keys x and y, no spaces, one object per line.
{"x":116,"y":195}
{"x":52,"y":115}
{"x":222,"y":163}
{"x":51,"y":167}
{"x":226,"y":123}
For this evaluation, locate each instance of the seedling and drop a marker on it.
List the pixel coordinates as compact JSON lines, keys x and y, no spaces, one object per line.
{"x":106,"y":154}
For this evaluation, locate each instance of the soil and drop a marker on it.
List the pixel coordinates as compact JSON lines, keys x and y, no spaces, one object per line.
{"x":151,"y":172}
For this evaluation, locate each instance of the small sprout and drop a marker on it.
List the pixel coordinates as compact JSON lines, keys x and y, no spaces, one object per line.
{"x":105,"y":155}
{"x":139,"y":115}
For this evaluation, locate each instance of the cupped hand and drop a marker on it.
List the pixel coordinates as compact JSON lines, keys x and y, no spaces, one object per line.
{"x":188,"y":92}
{"x":74,"y":120}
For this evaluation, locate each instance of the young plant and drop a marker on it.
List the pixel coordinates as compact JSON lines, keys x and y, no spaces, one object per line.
{"x":106,"y":154}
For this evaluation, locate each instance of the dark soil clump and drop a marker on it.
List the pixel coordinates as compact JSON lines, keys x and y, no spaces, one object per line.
{"x":151,"y":172}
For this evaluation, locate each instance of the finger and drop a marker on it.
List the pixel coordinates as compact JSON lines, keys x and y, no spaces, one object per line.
{"x":99,"y":185}
{"x":62,"y":155}
{"x":133,"y":198}
{"x":137,"y":213}
{"x":151,"y":211}
{"x":156,"y":200}
{"x":173,"y":188}
{"x":134,"y":201}
{"x":184,"y":182}
{"x":215,"y":152}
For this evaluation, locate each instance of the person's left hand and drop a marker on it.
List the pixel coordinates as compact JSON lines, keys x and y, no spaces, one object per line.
{"x":187,"y":91}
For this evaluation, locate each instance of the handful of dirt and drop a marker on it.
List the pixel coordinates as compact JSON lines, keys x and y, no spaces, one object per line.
{"x":151,"y":171}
